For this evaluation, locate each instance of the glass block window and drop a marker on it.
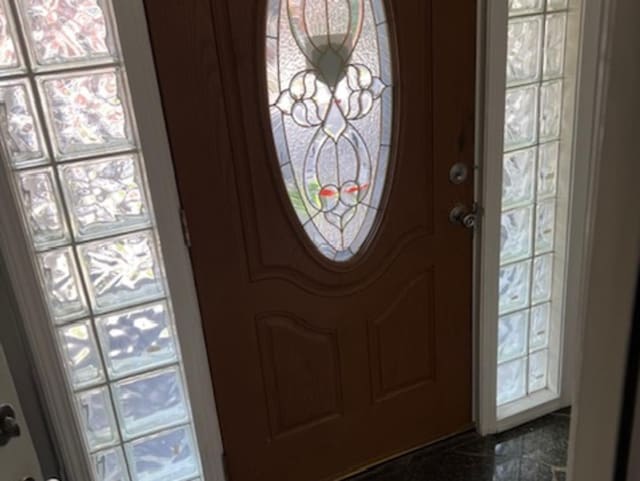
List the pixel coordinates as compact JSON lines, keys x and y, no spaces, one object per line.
{"x":329,"y":81}
{"x":534,"y":99}
{"x":70,"y":146}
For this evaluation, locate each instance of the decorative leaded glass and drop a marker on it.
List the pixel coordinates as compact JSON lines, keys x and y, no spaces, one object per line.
{"x":329,"y":81}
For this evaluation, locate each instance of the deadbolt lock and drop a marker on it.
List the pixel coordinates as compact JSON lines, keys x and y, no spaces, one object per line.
{"x":9,"y":428}
{"x":459,"y":173}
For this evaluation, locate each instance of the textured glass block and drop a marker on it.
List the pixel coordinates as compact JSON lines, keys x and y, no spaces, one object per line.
{"x":41,"y":207}
{"x":97,"y":419}
{"x":548,"y":169}
{"x":329,"y":77}
{"x":67,"y":31}
{"x":168,"y":456}
{"x":105,"y":196}
{"x":555,"y":45}
{"x":137,"y":339}
{"x":538,"y":364}
{"x":514,"y":286}
{"x":516,"y":236}
{"x":521,"y":109}
{"x":150,"y":402}
{"x":61,"y":285}
{"x":542,"y":278}
{"x":512,"y":336}
{"x":80,"y":354}
{"x":512,"y":381}
{"x":520,"y":7}
{"x":122,"y":271}
{"x":88,"y":113}
{"x":10,"y":60}
{"x":19,"y":124}
{"x":550,"y":110}
{"x":545,"y":226}
{"x":110,"y":465}
{"x":557,"y":4}
{"x":524,"y":50}
{"x":540,"y":324}
{"x":518,"y":178}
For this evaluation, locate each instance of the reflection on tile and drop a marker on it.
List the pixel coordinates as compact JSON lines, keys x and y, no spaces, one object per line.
{"x":534,"y":452}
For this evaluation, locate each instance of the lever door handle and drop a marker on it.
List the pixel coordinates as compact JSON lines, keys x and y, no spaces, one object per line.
{"x":464,"y":216}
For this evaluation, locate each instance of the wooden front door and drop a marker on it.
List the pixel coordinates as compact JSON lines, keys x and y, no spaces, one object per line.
{"x":321,"y":364}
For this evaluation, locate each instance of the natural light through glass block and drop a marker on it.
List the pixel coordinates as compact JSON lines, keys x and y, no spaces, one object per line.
{"x":87,"y":113}
{"x":122,"y":271}
{"x":524,"y":50}
{"x":71,"y":150}
{"x":512,"y":381}
{"x":106,"y":196}
{"x":533,"y":164}
{"x":512,"y":336}
{"x":61,"y":282}
{"x":150,"y":402}
{"x":19,"y":125}
{"x":96,"y":415}
{"x":168,"y":456}
{"x":45,"y":219}
{"x":64,"y":31}
{"x":137,"y":339}
{"x":80,"y":353}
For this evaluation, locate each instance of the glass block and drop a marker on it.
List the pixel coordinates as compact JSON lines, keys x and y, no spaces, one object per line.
{"x":88,"y":113}
{"x":554,"y":45}
{"x":105,"y":196}
{"x":68,"y":31}
{"x":19,"y":124}
{"x":524,"y":50}
{"x":540,"y":324}
{"x":542,"y":278}
{"x":516,"y":237}
{"x":550,"y":110}
{"x":97,"y":419}
{"x":10,"y":58}
{"x":137,"y":339}
{"x":81,"y":356}
{"x":548,"y":169}
{"x":545,"y":226}
{"x":150,"y":402}
{"x":40,"y":202}
{"x":122,"y":271}
{"x":110,"y":465}
{"x":511,"y":381}
{"x":521,"y":108}
{"x":520,"y":7}
{"x":512,"y":336}
{"x":168,"y":456}
{"x":518,"y":178}
{"x":514,"y":286}
{"x":557,"y":4}
{"x":61,"y":284}
{"x":538,"y":364}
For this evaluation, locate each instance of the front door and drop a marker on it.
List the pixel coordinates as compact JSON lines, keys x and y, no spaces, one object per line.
{"x":313,"y":143}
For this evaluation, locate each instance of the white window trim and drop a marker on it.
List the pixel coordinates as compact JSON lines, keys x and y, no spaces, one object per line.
{"x":578,"y":127}
{"x":136,"y":48}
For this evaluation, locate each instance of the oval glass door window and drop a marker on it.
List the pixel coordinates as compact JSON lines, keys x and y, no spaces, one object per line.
{"x":330,"y":96}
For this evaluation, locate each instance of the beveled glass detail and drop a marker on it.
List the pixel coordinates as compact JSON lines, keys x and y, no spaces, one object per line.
{"x":328,"y":70}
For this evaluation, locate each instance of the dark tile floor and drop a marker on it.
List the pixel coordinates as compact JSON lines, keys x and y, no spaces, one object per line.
{"x":534,"y":452}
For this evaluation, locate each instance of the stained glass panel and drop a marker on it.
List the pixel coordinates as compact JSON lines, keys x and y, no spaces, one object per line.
{"x":329,"y":80}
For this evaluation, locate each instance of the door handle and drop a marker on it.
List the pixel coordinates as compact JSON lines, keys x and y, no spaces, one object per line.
{"x":464,"y":216}
{"x":9,"y":427}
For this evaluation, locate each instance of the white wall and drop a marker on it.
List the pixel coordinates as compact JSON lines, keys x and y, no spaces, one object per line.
{"x":615,"y":251}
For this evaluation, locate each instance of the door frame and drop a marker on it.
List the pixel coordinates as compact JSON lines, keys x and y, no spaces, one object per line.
{"x":581,"y":120}
{"x":132,"y":27}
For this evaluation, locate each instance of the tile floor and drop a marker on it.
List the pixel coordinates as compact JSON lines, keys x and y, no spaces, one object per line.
{"x":534,"y":452}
